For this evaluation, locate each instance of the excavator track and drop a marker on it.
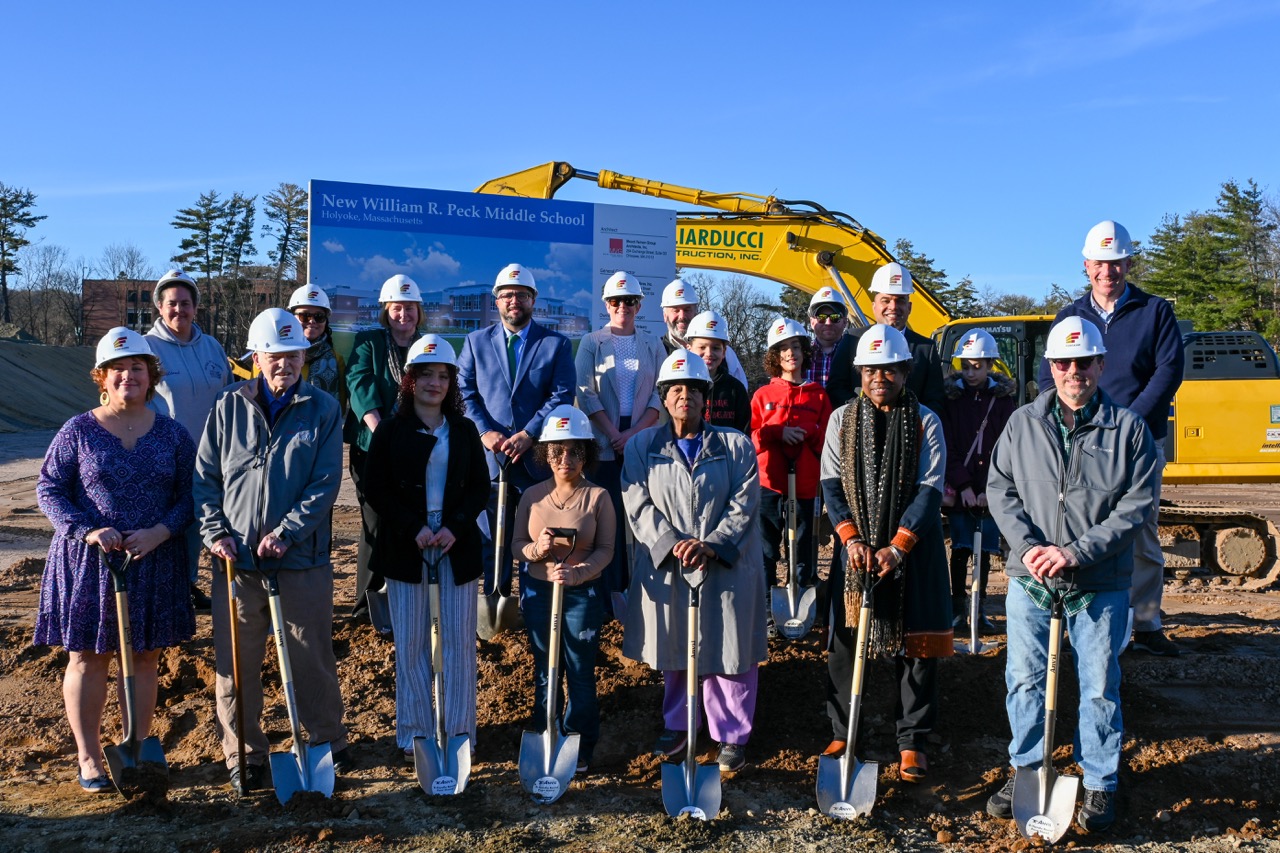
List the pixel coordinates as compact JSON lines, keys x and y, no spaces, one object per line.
{"x":1222,"y":541}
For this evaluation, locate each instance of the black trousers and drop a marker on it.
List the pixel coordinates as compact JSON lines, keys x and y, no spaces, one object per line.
{"x":773,"y":532}
{"x":916,"y":708}
{"x":365,"y":578}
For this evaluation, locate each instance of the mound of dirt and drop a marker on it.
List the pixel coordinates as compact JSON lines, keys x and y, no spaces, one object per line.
{"x":44,"y":386}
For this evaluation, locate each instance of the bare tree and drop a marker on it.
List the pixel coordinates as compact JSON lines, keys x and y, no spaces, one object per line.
{"x":124,"y":261}
{"x":748,"y":311}
{"x":48,"y":304}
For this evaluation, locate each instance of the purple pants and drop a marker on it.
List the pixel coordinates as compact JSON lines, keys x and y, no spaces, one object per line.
{"x":729,"y":700}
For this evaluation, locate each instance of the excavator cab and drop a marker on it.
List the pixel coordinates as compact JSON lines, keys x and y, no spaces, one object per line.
{"x":1021,"y":341}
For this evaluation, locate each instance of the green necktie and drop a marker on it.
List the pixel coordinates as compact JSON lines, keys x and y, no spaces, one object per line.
{"x":511,"y":357}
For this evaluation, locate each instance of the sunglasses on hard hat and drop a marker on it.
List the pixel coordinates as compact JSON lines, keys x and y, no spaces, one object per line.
{"x":1084,"y":362}
{"x":827,"y":317}
{"x":629,"y":301}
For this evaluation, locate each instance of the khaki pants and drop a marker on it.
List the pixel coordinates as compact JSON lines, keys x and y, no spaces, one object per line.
{"x":306,"y":600}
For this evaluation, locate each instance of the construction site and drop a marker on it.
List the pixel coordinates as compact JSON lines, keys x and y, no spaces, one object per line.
{"x":1199,"y":770}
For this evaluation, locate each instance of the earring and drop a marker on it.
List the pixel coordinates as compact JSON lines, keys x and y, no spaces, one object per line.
{"x":103,"y":398}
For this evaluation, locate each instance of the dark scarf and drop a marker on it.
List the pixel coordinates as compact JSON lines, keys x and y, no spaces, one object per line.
{"x":322,"y":365}
{"x":395,"y":364}
{"x":879,"y":456}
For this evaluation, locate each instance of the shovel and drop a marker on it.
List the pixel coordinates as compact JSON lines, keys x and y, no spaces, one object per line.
{"x":690,"y":788}
{"x":235,"y":664}
{"x":498,"y":611}
{"x":379,"y":611}
{"x":549,"y":760}
{"x":1043,"y":801}
{"x":618,"y":597}
{"x":130,"y":752}
{"x":846,"y":786}
{"x":306,"y":768}
{"x":442,"y":764}
{"x":975,"y":595}
{"x":793,"y":612}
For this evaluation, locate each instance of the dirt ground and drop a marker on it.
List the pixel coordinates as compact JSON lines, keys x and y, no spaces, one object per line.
{"x":1200,"y":768}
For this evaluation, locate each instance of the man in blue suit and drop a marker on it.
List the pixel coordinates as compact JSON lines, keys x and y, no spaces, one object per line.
{"x":512,"y":374}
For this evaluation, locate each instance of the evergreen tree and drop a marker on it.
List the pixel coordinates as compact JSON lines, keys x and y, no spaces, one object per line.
{"x":286,"y":210}
{"x":16,"y":219}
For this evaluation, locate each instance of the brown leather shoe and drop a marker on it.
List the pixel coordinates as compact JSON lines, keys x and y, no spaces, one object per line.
{"x":913,"y":766}
{"x":835,"y":749}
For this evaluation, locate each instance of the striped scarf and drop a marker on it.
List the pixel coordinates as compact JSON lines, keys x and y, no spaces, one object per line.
{"x":881,"y":450}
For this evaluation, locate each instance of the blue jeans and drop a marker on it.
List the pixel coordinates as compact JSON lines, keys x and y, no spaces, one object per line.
{"x":1097,"y":638}
{"x":580,"y":640}
{"x":964,"y":524}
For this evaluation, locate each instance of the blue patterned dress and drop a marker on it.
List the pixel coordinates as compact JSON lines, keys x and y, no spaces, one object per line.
{"x":89,"y":481}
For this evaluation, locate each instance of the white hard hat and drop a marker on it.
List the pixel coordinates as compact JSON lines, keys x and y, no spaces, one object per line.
{"x":881,"y":344}
{"x":400,"y":288}
{"x":430,"y":349}
{"x":1074,"y":337}
{"x":565,"y":423}
{"x":275,"y":330}
{"x":977,"y":344}
{"x":175,"y":277}
{"x":708,"y":324}
{"x":683,"y":366}
{"x":784,"y":328}
{"x":826,"y":296}
{"x":621,"y":284}
{"x":309,"y":296}
{"x":514,"y":275}
{"x":121,"y":343}
{"x":892,"y":278}
{"x":679,"y":293}
{"x":1107,"y":241}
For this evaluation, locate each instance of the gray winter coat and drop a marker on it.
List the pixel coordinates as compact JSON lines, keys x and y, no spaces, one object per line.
{"x":253,"y":479}
{"x":1091,"y":505}
{"x":716,"y":502}
{"x":195,"y":372}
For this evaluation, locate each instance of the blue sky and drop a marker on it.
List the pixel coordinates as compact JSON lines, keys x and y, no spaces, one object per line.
{"x":993,"y":135}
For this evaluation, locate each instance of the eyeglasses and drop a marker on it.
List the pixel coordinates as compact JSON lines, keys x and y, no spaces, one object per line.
{"x":1084,"y":362}
{"x":557,"y":451}
{"x":515,"y":296}
{"x":828,"y":318}
{"x":629,"y":301}
{"x":310,"y":316}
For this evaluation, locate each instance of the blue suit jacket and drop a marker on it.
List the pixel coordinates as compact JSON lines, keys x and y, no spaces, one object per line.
{"x":545,"y":378}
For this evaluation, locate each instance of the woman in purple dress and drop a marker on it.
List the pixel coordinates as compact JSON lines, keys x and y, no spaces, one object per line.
{"x":117,"y":478}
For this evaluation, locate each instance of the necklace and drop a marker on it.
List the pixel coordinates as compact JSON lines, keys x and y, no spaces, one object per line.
{"x":561,"y":501}
{"x":119,"y":419}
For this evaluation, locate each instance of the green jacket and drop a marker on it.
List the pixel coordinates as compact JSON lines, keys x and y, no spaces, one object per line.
{"x":370,"y":386}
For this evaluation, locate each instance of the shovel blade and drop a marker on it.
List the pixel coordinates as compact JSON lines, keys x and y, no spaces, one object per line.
{"x":304,"y":769}
{"x":699,"y":798}
{"x":1029,"y":792}
{"x":859,"y":799}
{"x":497,"y":613}
{"x":547,"y":787}
{"x":379,"y":610}
{"x":442,"y":773}
{"x":120,"y":760}
{"x":794,"y":626}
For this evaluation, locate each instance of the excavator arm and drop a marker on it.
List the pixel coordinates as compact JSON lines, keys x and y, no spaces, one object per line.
{"x":793,"y":242}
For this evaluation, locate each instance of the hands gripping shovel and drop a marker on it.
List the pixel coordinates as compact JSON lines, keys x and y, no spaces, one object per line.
{"x":306,"y":768}
{"x":442,"y":764}
{"x":124,"y":758}
{"x":846,"y":786}
{"x":1043,"y":801}
{"x":793,"y":612}
{"x":549,"y":759}
{"x":689,"y":787}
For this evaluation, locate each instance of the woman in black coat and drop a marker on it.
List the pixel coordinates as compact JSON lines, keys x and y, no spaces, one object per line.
{"x":427,"y":480}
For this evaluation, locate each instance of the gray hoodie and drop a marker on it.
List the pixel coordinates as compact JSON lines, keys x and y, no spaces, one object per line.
{"x":195,"y":371}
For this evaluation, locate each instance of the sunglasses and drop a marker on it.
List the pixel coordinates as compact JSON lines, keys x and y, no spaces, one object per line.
{"x":828,"y":318}
{"x":1084,"y":362}
{"x":629,"y":301}
{"x":310,"y":316}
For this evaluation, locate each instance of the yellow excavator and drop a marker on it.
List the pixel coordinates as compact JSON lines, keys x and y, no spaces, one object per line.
{"x":1224,"y":423}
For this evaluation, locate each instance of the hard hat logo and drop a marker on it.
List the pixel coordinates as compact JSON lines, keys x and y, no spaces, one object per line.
{"x":680,"y":292}
{"x":711,"y":325}
{"x":404,"y":288}
{"x":313,"y":294}
{"x":876,"y":344}
{"x":286,"y":331}
{"x":119,"y":344}
{"x":895,"y":279}
{"x":782,"y":327}
{"x":562,"y":423}
{"x":678,"y":364}
{"x":429,"y":348}
{"x":515,"y":273}
{"x":1072,"y":339}
{"x":1106,"y":242}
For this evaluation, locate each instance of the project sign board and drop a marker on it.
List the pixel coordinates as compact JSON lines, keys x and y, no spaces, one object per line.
{"x":453,"y":244}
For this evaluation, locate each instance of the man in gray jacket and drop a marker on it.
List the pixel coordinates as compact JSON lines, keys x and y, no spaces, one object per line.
{"x":267,"y":475}
{"x":1072,"y":481}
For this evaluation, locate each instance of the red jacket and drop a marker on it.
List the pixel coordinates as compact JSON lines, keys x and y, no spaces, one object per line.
{"x":782,"y":404}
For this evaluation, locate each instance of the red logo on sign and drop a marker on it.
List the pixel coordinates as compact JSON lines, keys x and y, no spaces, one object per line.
{"x":615,"y":245}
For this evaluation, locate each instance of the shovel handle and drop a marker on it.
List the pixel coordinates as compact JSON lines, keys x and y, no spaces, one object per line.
{"x":234,"y":623}
{"x":500,"y":529}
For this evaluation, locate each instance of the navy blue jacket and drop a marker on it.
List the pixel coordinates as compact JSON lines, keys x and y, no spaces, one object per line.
{"x":1144,"y":355}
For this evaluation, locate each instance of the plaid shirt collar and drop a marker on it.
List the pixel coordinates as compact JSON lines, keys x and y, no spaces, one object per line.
{"x":1083,"y":416}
